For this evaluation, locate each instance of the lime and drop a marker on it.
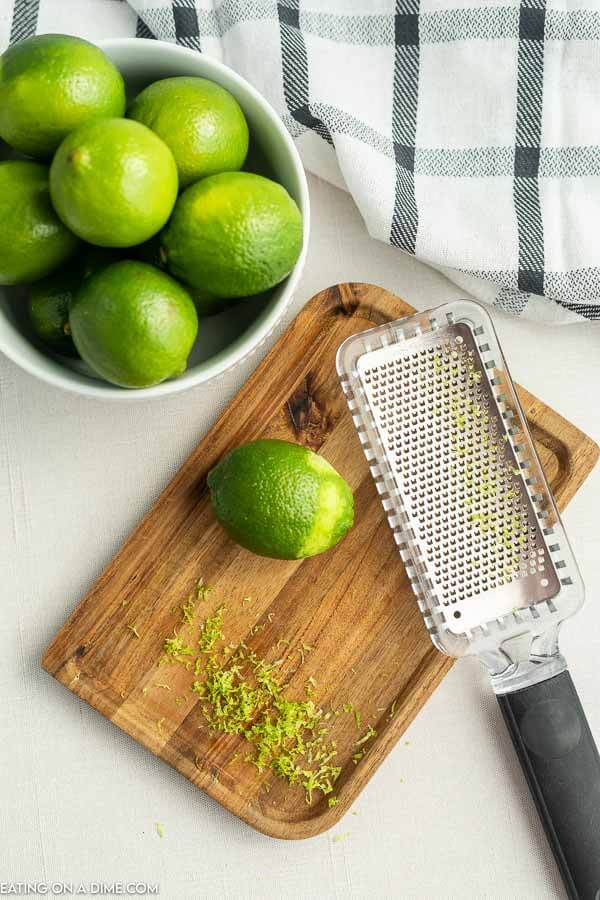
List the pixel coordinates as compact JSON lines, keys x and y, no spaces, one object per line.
{"x":280,"y":499}
{"x":133,"y":324}
{"x":50,"y":299}
{"x":234,"y":235}
{"x":51,"y":84}
{"x":200,"y":121}
{"x":48,"y":309}
{"x":33,"y":240}
{"x":113,"y":182}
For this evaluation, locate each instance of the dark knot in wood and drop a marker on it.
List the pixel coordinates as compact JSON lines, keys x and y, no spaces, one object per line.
{"x":308,"y":411}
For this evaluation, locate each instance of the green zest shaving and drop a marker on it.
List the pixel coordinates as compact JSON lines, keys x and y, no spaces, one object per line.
{"x":211,"y":631}
{"x":369,"y":733}
{"x":174,"y":650}
{"x":188,"y":609}
{"x":202,"y":590}
{"x":349,"y":708}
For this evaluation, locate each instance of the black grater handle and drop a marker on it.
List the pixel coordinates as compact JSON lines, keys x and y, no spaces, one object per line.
{"x":562,"y":766}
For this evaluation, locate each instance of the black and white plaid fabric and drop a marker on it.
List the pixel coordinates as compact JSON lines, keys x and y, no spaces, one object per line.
{"x":467,"y":132}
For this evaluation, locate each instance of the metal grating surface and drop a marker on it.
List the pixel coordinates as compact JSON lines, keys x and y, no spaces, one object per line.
{"x":471,"y":525}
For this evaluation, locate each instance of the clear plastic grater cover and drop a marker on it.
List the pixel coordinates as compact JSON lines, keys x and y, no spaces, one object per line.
{"x":459,"y":477}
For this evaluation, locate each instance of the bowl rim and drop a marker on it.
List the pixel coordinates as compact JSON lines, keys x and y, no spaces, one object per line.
{"x":244,"y":345}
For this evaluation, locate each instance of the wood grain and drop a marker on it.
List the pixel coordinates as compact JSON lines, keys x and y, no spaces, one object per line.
{"x":353,"y":605}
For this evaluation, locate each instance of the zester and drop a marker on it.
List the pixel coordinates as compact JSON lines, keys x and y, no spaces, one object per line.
{"x":482,"y":542}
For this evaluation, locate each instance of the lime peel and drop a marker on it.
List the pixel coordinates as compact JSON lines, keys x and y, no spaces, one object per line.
{"x":243,"y":695}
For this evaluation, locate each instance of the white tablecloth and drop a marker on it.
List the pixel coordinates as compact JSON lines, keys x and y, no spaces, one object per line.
{"x":446,"y":816}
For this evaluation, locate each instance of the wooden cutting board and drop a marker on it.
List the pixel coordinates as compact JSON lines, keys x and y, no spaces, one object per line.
{"x":353,"y":605}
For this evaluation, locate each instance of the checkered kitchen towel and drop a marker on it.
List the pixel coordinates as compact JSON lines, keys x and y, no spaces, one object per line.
{"x":467,"y":132}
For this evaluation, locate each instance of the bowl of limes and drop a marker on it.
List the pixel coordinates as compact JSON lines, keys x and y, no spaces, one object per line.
{"x":154,"y":211}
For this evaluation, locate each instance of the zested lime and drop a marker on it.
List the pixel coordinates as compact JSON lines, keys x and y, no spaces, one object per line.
{"x":280,"y":499}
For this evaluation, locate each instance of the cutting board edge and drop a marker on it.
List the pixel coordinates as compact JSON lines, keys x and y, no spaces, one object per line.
{"x":438,"y":666}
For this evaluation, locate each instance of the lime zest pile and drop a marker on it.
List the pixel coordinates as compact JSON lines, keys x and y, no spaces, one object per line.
{"x":245,"y":697}
{"x":242,"y":694}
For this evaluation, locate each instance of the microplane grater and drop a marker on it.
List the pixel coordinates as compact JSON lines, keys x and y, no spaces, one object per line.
{"x":481,"y":539}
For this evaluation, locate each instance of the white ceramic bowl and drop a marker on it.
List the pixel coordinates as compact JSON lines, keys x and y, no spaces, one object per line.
{"x":225,"y":339}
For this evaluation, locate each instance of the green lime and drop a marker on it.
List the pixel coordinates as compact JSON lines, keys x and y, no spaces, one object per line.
{"x":280,"y":500}
{"x":133,"y":324}
{"x":51,"y":84}
{"x":50,"y":299}
{"x":113,"y":182}
{"x":33,"y":240}
{"x":48,"y":308}
{"x":233,"y":235}
{"x":200,"y":121}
